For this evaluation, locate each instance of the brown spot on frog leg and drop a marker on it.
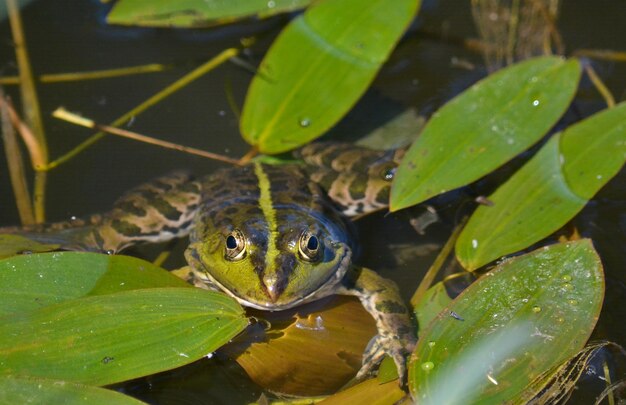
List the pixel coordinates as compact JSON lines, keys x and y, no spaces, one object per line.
{"x":396,"y":334}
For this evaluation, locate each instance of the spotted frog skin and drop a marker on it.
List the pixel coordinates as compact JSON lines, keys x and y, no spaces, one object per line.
{"x":272,"y":237}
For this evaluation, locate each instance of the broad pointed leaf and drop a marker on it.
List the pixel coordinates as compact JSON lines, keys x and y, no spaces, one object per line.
{"x":518,"y":321}
{"x":484,"y":127}
{"x":105,"y":339}
{"x":548,"y":191}
{"x":317,"y":69}
{"x":33,"y":281}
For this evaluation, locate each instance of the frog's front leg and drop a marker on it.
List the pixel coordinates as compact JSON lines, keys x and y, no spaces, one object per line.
{"x":396,"y":334}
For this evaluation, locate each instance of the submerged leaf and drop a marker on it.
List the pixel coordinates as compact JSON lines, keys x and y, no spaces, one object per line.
{"x":311,"y":350}
{"x":25,"y":390}
{"x":105,"y":339}
{"x":195,"y":13}
{"x":518,"y":321}
{"x":317,"y":69}
{"x":34,"y":281}
{"x":548,"y":191}
{"x":484,"y":127}
{"x":370,"y":392}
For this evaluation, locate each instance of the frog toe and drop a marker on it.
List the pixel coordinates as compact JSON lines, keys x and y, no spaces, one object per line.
{"x":381,"y":346}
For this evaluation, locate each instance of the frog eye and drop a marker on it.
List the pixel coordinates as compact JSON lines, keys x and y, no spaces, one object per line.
{"x":235,"y":246}
{"x":309,"y":246}
{"x":388,"y":171}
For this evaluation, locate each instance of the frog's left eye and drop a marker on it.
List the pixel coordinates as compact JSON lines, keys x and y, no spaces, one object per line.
{"x":235,"y":246}
{"x":309,"y":246}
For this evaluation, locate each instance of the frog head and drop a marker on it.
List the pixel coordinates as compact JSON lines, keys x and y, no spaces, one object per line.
{"x":274,"y":261}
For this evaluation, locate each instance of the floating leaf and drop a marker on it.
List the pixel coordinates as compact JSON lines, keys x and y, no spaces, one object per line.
{"x":105,"y":339}
{"x":318,"y":67}
{"x":549,"y":190}
{"x":484,"y":127}
{"x":370,"y":392}
{"x":311,"y":350}
{"x":24,"y":390}
{"x":11,"y":245}
{"x":196,"y":13}
{"x":518,"y":321}
{"x":33,"y":281}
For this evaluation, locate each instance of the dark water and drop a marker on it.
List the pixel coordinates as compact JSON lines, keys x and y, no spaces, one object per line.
{"x":72,"y":36}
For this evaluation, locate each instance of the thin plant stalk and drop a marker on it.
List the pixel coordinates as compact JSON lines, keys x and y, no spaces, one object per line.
{"x":169,"y":90}
{"x":16,"y":166}
{"x":30,"y":105}
{"x":437,"y":265}
{"x":599,"y":85}
{"x":65,"y":115}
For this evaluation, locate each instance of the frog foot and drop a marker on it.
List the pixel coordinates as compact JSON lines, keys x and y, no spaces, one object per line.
{"x":397,"y":348}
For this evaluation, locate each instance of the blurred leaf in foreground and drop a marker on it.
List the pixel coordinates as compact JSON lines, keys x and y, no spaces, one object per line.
{"x":518,"y":321}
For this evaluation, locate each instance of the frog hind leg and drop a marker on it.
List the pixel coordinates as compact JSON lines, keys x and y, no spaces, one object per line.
{"x":396,"y":333}
{"x":157,"y":211}
{"x":356,"y":179}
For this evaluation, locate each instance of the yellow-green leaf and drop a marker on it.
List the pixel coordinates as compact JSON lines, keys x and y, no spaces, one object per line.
{"x":105,"y":339}
{"x":484,"y":127}
{"x":318,"y":67}
{"x":370,"y":392}
{"x":195,"y":13}
{"x":521,"y":319}
{"x":548,"y":191}
{"x":34,"y":281}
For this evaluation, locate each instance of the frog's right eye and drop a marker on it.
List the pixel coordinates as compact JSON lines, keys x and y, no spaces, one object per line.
{"x":235,"y":246}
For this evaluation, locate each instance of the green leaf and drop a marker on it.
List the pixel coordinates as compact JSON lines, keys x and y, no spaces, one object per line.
{"x":518,"y":321}
{"x":24,"y":390}
{"x":432,"y":303}
{"x":317,"y":69}
{"x":195,"y":13}
{"x":33,"y":281}
{"x":548,"y":191}
{"x":484,"y":127}
{"x":105,"y":339}
{"x":11,"y":245}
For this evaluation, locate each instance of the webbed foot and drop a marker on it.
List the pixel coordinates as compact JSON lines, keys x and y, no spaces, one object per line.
{"x":396,"y":347}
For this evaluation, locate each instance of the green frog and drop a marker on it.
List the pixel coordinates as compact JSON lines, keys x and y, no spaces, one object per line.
{"x":271,"y":236}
